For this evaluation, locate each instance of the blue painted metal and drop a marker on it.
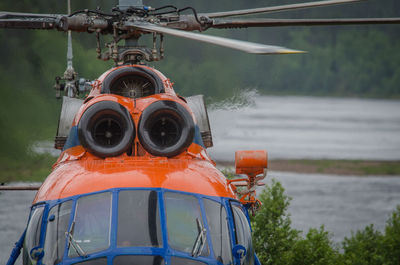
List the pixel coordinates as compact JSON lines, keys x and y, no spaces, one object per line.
{"x":165,"y":251}
{"x":256,"y":260}
{"x":73,"y":139}
{"x":16,"y":250}
{"x":197,"y":137}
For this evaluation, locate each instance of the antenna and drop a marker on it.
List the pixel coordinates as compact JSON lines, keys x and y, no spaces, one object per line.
{"x":69,"y":52}
{"x":70,"y":76}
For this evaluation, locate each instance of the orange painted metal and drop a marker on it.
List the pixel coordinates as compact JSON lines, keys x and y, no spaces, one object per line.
{"x":253,"y":164}
{"x":91,"y":174}
{"x":79,"y":172}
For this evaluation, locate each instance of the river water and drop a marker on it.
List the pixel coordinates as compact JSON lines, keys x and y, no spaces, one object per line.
{"x":308,"y":127}
{"x":293,"y":127}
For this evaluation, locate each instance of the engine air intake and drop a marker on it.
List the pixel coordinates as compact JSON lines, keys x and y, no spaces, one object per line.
{"x":132,"y":82}
{"x":106,"y":129}
{"x":165,"y":128}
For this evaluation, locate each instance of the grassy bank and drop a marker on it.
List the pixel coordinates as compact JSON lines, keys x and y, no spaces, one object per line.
{"x":334,"y":167}
{"x":34,"y":169}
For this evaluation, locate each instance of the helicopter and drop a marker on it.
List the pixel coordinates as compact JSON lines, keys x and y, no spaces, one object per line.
{"x":134,"y":183}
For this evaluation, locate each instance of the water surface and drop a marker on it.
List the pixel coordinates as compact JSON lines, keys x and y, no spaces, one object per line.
{"x":309,"y":128}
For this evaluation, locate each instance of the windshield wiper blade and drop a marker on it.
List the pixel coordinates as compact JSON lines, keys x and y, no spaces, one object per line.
{"x":72,"y":241}
{"x":200,"y":240}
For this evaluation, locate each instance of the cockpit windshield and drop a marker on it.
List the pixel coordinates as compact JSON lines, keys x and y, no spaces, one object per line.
{"x":140,"y":226}
{"x":90,"y":229}
{"x":57,"y":225}
{"x":219,"y":230}
{"x":184,"y":221}
{"x":138,"y":219}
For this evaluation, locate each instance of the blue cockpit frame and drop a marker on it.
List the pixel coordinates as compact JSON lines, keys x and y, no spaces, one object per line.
{"x":165,"y":251}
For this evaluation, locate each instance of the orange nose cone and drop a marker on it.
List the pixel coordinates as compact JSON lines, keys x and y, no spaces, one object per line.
{"x":251,"y":162}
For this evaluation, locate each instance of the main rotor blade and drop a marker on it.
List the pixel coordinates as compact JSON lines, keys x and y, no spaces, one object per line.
{"x":26,"y":15}
{"x":19,"y":188}
{"x":245,"y":23}
{"x":28,"y":20}
{"x":245,"y":46}
{"x":277,"y":8}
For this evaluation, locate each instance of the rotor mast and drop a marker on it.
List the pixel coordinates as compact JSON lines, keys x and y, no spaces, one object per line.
{"x":125,"y":5}
{"x":70,"y":74}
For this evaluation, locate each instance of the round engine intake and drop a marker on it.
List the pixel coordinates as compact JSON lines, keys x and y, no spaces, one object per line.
{"x":106,"y":129}
{"x":132,"y":82}
{"x":165,"y":128}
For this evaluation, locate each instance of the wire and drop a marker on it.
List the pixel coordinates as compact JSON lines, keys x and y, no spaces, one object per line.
{"x":177,"y":11}
{"x":164,"y":7}
{"x":194,"y":12}
{"x":140,"y":12}
{"x":85,"y":11}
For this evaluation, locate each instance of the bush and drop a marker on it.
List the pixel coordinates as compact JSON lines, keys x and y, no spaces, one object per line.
{"x":363,"y":247}
{"x":276,"y":242}
{"x":391,"y":240}
{"x":273,"y":235}
{"x":317,"y":248}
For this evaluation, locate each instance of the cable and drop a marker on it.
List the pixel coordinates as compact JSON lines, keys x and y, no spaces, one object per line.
{"x":194,"y":12}
{"x":164,"y":7}
{"x":86,"y":11}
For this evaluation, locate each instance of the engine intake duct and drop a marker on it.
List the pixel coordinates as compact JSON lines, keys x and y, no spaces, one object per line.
{"x":106,"y":129}
{"x":165,"y":128}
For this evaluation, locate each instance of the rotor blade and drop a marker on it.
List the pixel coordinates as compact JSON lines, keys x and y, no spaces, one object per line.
{"x":19,"y":188}
{"x":28,"y":23}
{"x":277,"y":8}
{"x":245,"y":46}
{"x":245,"y":23}
{"x":28,"y":20}
{"x":26,"y":15}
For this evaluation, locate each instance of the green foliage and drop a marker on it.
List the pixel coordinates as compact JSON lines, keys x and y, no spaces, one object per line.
{"x":316,"y":248}
{"x":273,"y":236}
{"x":391,"y":239}
{"x":277,"y":243}
{"x":35,"y":168}
{"x":364,"y":247}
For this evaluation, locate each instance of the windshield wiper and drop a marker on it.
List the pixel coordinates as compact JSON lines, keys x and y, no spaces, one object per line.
{"x":72,"y":241}
{"x":200,"y":240}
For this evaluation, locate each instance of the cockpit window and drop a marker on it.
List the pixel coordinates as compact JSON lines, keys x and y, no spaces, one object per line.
{"x":32,"y":238}
{"x":243,"y":233}
{"x":219,"y":231}
{"x":138,"y":219}
{"x":138,"y":260}
{"x":57,"y":225}
{"x":90,"y":229}
{"x":185,"y":225}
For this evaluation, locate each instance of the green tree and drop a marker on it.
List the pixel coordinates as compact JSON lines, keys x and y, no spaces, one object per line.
{"x":276,"y":242}
{"x":364,"y":247}
{"x":316,"y":248}
{"x":273,"y":236}
{"x":391,"y":239}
